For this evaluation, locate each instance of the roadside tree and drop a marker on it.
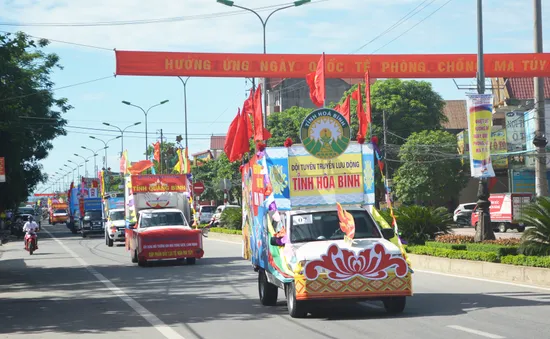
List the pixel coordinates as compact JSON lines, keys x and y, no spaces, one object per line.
{"x":30,"y":115}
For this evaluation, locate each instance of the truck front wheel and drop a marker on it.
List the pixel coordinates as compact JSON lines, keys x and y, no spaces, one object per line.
{"x":502,"y":227}
{"x":296,"y":309}
{"x":191,"y":261}
{"x":395,"y":305}
{"x":267,"y":291}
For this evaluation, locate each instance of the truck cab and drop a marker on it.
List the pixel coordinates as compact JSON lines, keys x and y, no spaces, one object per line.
{"x":92,"y":223}
{"x":317,"y":254}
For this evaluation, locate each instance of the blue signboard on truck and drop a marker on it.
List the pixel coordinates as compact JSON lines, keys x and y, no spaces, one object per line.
{"x":91,"y":204}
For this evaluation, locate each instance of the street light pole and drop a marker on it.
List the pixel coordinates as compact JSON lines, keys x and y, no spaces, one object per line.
{"x":106,"y":143}
{"x":264,"y":24}
{"x":184,"y":82}
{"x":122,"y":133}
{"x":85,"y":164}
{"x":95,"y":156}
{"x":540,"y":141}
{"x":145,"y":112}
{"x":484,"y":230}
{"x":77,"y":168}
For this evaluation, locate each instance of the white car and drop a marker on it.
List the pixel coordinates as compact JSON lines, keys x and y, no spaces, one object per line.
{"x":463,"y":214}
{"x":205,"y":213}
{"x":115,"y":227}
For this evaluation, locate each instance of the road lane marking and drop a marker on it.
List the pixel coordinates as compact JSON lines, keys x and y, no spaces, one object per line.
{"x":480,"y":333}
{"x":486,"y":280}
{"x":165,"y":330}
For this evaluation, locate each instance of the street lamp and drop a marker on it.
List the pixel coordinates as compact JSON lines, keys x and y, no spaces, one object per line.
{"x":94,"y":154}
{"x":122,"y":133}
{"x":73,"y":169}
{"x":184,"y":82}
{"x":264,"y":24}
{"x":145,"y":112}
{"x":85,"y":165}
{"x":106,"y":146}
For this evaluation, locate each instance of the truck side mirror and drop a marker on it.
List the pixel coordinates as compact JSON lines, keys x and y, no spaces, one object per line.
{"x":388,"y":233}
{"x":274,"y":241}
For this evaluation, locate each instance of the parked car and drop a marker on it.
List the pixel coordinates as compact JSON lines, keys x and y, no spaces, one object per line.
{"x":463,"y":214}
{"x":23,"y":213}
{"x":205,"y":213}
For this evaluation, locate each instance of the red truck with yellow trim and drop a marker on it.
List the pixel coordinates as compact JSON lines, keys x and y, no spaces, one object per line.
{"x":158,"y":217}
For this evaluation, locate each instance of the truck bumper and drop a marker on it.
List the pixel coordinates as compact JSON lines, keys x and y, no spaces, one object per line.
{"x":118,"y":236}
{"x":357,"y":288}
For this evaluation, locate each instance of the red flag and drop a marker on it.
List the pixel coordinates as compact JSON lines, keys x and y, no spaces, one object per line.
{"x":361,"y":133}
{"x":316,"y":83}
{"x":368,"y":114}
{"x":240,"y":143}
{"x":345,"y":109}
{"x":229,"y":138}
{"x":260,"y":132}
{"x":248,"y":109}
{"x":156,"y":152}
{"x":140,"y":166}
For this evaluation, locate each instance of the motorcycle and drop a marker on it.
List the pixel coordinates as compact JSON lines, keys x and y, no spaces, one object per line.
{"x":30,"y":242}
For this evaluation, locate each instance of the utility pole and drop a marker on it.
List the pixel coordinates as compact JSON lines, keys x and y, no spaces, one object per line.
{"x":160,"y":152}
{"x":484,"y":231}
{"x":540,"y":141}
{"x":387,"y":184}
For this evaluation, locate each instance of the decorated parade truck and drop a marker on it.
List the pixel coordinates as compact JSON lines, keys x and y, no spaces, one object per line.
{"x":158,"y":216}
{"x":113,"y":209}
{"x":307,"y":225}
{"x":58,"y":213}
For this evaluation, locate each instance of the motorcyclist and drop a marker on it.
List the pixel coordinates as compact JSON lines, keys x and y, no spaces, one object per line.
{"x":31,"y":227}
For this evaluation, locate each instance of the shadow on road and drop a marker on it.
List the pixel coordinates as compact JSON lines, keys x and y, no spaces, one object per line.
{"x":71,"y":300}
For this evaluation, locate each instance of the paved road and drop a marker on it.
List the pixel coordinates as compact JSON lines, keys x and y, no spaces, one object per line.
{"x":75,"y":287}
{"x":471,"y":231}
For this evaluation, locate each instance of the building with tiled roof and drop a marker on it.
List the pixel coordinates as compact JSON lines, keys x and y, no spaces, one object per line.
{"x":455,"y":111}
{"x":216,"y":145}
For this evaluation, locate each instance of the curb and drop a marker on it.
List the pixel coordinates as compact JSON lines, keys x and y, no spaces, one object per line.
{"x":226,"y":237}
{"x":480,"y":269}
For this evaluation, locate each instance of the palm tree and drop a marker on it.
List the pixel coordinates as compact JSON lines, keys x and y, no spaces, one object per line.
{"x":536,"y":240}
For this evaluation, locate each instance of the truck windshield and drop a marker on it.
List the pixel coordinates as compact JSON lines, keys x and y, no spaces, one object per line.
{"x":161,"y":219}
{"x":319,"y":226}
{"x":60,"y":211}
{"x":92,"y":215}
{"x":118,"y":215}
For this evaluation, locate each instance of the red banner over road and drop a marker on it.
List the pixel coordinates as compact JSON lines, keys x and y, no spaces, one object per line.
{"x":159,"y":183}
{"x":337,"y":66}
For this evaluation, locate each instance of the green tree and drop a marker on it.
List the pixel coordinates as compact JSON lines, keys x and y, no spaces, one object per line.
{"x":409,"y":106}
{"x":231,"y":171}
{"x":431,"y":172}
{"x":286,"y":124}
{"x":168,"y":156}
{"x":30,"y":115}
{"x":207,"y":174}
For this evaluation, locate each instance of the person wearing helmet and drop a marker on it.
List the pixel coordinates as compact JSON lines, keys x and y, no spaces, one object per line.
{"x":31,"y":227}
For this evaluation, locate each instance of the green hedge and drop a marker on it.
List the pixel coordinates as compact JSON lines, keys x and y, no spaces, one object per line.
{"x":523,"y":260}
{"x":225,"y":230}
{"x":500,"y":250}
{"x":453,"y":254}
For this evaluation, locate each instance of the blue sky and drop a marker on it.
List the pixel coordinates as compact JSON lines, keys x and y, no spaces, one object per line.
{"x":330,"y":26}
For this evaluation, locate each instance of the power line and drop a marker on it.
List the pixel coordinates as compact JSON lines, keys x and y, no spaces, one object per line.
{"x":418,"y":23}
{"x":62,"y":42}
{"x":148,"y":21}
{"x":56,"y":89}
{"x":395,"y":25}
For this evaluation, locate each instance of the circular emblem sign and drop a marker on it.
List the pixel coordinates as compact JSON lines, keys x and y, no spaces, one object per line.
{"x":325,"y":133}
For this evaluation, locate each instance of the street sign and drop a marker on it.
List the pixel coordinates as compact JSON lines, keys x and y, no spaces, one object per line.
{"x":198,"y":187}
{"x":225,"y":185}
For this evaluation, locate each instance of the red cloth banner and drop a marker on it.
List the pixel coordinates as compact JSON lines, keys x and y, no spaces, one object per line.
{"x":235,"y":65}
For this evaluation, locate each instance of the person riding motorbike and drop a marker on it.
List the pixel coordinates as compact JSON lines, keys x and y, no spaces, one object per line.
{"x":30,"y":228}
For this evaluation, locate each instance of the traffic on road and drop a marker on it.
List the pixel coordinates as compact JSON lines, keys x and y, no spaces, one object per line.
{"x":78,"y":287}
